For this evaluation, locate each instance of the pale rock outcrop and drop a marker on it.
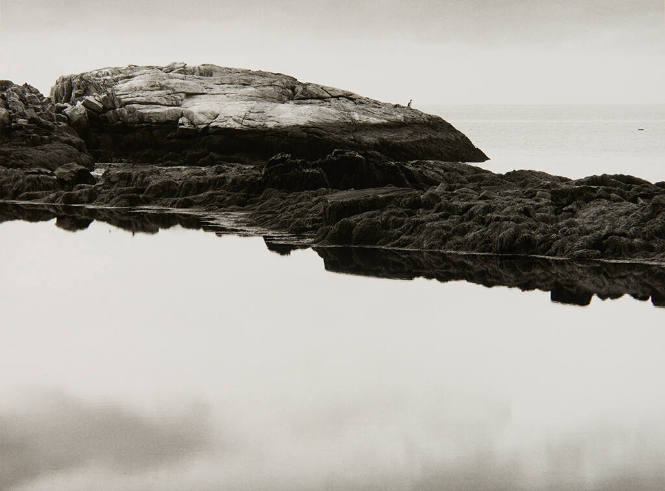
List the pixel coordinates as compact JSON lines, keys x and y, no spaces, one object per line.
{"x":150,"y":113}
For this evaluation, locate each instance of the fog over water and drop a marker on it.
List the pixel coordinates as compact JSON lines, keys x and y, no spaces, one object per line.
{"x":183,"y":360}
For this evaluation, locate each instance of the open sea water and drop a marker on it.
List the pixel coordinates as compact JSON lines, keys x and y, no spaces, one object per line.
{"x":572,"y":141}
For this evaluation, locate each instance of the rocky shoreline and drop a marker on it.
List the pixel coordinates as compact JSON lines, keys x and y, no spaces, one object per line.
{"x":308,"y":160}
{"x":572,"y":282}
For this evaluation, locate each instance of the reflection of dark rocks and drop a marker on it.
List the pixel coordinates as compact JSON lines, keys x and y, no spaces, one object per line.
{"x":281,"y":248}
{"x":73,"y":223}
{"x":75,"y":218}
{"x":571,"y":282}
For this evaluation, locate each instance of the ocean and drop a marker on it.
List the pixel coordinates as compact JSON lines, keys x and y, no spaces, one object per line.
{"x":572,"y":141}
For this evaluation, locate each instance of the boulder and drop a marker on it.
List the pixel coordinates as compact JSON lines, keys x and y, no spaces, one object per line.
{"x":71,"y":174}
{"x":186,"y":113}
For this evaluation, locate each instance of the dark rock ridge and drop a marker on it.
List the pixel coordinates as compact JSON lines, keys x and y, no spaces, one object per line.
{"x":570,"y":282}
{"x":350,"y":199}
{"x":32,"y":134}
{"x":522,"y":212}
{"x":207,"y":114}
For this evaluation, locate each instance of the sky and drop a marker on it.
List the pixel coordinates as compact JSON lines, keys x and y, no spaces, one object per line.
{"x":434,"y":52}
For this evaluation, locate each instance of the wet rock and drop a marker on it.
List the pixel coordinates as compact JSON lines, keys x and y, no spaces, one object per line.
{"x":341,"y":169}
{"x":71,"y":174}
{"x":461,"y":215}
{"x":284,"y":172}
{"x":350,"y":198}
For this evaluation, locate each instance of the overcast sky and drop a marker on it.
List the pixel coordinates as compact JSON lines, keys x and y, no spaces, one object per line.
{"x":436,"y":52}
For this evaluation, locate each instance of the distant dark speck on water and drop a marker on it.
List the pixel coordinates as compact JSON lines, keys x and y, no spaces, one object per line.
{"x":640,"y":129}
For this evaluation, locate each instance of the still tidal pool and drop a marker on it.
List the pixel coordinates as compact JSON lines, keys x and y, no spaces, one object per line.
{"x":188,"y":360}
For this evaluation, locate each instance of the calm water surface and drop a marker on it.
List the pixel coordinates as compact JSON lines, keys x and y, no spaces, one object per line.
{"x":573,"y":141}
{"x":183,"y":360}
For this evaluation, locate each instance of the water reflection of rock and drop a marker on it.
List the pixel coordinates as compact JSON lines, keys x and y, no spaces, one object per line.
{"x":571,"y":282}
{"x":75,"y":218}
{"x":568,"y":281}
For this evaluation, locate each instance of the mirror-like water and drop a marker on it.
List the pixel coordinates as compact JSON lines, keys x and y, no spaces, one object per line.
{"x":567,"y":140}
{"x":187,"y":360}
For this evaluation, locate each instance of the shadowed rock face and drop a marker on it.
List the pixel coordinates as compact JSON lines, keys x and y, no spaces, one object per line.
{"x":32,"y":134}
{"x":568,"y":281}
{"x":207,"y":114}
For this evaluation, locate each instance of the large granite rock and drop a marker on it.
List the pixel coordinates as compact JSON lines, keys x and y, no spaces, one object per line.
{"x":207,"y":114}
{"x":32,"y":134}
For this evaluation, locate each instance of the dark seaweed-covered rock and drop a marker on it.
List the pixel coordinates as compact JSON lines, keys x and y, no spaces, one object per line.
{"x":472,"y":209}
{"x":69,"y":175}
{"x":349,"y":198}
{"x":341,"y":169}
